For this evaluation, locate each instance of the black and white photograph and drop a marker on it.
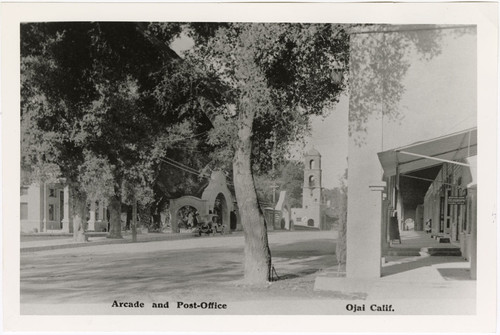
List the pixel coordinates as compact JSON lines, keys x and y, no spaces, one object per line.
{"x":229,"y":167}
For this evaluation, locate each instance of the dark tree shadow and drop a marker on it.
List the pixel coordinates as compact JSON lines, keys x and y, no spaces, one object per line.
{"x":409,"y":264}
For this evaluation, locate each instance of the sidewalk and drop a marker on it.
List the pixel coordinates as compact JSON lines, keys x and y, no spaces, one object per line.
{"x":424,"y":276}
{"x":63,"y":243}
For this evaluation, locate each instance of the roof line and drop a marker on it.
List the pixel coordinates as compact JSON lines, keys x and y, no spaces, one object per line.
{"x":441,"y":153}
{"x":433,"y":158}
{"x":434,"y":139}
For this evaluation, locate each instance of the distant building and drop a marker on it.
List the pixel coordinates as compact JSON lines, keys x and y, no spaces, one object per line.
{"x":46,"y":207}
{"x":312,"y":212}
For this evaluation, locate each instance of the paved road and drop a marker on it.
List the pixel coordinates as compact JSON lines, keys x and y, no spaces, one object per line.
{"x":199,"y":267}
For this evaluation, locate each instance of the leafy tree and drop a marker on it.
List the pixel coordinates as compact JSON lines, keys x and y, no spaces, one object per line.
{"x":275,"y":76}
{"x":288,"y":176}
{"x":89,"y":106}
{"x":48,"y":111}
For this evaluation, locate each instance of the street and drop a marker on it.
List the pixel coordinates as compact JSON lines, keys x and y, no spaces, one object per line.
{"x":197,"y":268}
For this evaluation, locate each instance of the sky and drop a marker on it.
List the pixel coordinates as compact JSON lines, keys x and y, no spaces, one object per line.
{"x":440,"y":99}
{"x":182,"y":43}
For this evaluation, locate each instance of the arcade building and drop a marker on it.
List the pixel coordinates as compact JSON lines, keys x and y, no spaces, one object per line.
{"x":431,"y":184}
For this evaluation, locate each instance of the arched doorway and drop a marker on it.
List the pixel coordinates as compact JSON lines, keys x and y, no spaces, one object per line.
{"x":233,"y":221}
{"x":221,"y":208}
{"x":187,"y":217}
{"x":218,"y":197}
{"x":183,"y":206}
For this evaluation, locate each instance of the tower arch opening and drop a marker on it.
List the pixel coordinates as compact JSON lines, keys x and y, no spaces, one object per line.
{"x":311,"y":181}
{"x":312,"y":164}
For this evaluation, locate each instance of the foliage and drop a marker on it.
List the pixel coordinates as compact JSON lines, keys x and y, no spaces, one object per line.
{"x":288,"y":176}
{"x":380,"y":58}
{"x":284,"y":72}
{"x":96,"y":177}
{"x":91,"y":103}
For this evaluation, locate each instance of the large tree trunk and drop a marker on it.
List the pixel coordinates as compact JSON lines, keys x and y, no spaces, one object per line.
{"x":134,"y":221}
{"x":79,"y":203}
{"x":257,"y":253}
{"x":341,"y":248}
{"x":115,"y":222}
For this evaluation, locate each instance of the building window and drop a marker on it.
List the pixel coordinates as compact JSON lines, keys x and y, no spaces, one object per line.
{"x":312,"y":164}
{"x":311,"y":181}
{"x":51,"y":212}
{"x":24,"y":190}
{"x":61,"y":205}
{"x":24,"y":211}
{"x":52,"y":192}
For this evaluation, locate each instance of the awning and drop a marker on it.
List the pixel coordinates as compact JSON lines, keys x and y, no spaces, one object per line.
{"x":454,"y":147}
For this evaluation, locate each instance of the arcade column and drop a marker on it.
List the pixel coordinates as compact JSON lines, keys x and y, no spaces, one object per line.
{"x":91,"y":222}
{"x":364,"y":204}
{"x":364,"y":236}
{"x":103,"y":215}
{"x":67,"y":209}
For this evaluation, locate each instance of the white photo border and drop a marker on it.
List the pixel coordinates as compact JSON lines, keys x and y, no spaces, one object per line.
{"x":484,"y":15}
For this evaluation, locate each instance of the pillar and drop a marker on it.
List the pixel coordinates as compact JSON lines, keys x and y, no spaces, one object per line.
{"x":44,"y":220}
{"x":472,"y":191}
{"x":91,"y":226}
{"x":364,"y":204}
{"x":67,"y":211}
{"x":364,"y":235}
{"x":384,"y":229}
{"x":103,"y":215}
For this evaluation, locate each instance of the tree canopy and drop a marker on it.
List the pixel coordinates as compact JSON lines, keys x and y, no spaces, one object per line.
{"x":102,"y":103}
{"x":284,"y":72}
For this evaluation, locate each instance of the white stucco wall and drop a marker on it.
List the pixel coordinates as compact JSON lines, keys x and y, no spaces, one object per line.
{"x":364,"y":205}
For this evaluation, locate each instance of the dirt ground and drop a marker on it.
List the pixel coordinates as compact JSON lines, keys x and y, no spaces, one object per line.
{"x":199,"y":268}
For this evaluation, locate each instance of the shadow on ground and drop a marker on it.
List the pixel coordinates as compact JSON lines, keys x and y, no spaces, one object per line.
{"x":455,"y":273}
{"x":398,"y":265}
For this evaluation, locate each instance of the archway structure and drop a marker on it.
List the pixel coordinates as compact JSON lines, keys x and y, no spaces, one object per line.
{"x":217,"y":190}
{"x":199,"y":204}
{"x":216,"y":194}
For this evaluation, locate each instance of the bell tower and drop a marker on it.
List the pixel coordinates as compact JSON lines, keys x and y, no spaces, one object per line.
{"x":312,"y":191}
